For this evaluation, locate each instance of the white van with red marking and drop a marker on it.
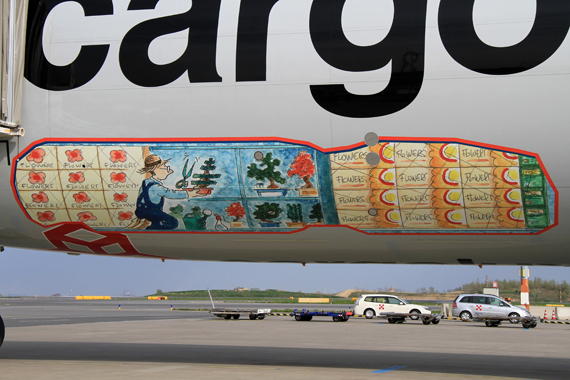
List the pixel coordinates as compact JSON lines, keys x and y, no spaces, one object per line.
{"x":371,"y":305}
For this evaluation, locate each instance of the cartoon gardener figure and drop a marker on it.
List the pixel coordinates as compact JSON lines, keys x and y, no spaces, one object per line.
{"x":150,"y":201}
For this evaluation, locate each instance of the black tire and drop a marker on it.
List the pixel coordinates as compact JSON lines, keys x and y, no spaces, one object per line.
{"x":435,"y":321}
{"x":299,"y":318}
{"x":235,"y":316}
{"x":261,"y":317}
{"x":227,"y":317}
{"x":337,"y":319}
{"x":391,"y":320}
{"x":488,"y":323}
{"x":514,"y":315}
{"x":369,"y":313}
{"x":426,"y":321}
{"x":309,"y":317}
{"x":533,"y":324}
{"x":415,"y":317}
{"x":465,"y":316}
{"x":2,"y":331}
{"x":527,"y":324}
{"x":400,"y":320}
{"x":253,"y":317}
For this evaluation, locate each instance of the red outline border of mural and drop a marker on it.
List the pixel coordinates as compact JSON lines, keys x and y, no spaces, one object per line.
{"x":295,"y":142}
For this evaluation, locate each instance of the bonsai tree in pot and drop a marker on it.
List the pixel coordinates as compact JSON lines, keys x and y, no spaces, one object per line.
{"x":267,"y":172}
{"x":206,"y":178}
{"x":295,"y":213}
{"x":304,"y":167}
{"x":317,"y":213}
{"x":266,"y":212}
{"x":236,"y":211}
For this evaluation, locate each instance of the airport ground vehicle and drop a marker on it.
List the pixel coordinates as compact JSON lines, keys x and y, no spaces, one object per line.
{"x":306,"y":315}
{"x":470,"y":306}
{"x":235,"y":313}
{"x":371,"y":305}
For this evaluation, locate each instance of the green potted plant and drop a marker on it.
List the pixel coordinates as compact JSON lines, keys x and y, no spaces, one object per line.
{"x":295,"y":213}
{"x":206,"y":178}
{"x":267,"y":172}
{"x":266,"y":212}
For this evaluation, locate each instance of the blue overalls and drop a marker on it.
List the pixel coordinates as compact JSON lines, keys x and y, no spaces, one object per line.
{"x":153,"y":211}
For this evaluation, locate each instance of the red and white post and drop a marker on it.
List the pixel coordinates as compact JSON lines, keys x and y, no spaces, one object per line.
{"x":525,"y":299}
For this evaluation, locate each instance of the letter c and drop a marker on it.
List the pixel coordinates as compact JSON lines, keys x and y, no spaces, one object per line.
{"x":39,"y":71}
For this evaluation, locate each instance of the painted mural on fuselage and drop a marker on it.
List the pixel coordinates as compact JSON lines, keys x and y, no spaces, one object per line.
{"x":283,"y":186}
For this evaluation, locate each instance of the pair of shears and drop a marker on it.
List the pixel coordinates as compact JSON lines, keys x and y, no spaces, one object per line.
{"x":183,"y":183}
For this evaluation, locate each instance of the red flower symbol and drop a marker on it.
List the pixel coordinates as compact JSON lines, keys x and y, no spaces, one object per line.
{"x":37,"y":177}
{"x":118,"y":177}
{"x":36,"y":155}
{"x":76,"y":177}
{"x":118,"y":156}
{"x":86,"y":216}
{"x":40,"y":197}
{"x":81,"y":197}
{"x":120,"y":197}
{"x":46,"y":216}
{"x":125,"y":215}
{"x":74,"y":155}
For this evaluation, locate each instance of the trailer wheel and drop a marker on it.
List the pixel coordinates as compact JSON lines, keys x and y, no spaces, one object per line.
{"x":391,"y":320}
{"x":260,"y":316}
{"x":299,"y":318}
{"x":308,"y":317}
{"x":426,"y":320}
{"x":336,"y":319}
{"x":488,"y":323}
{"x":227,"y":317}
{"x":435,"y":321}
{"x":533,"y":324}
{"x":527,"y":324}
{"x":235,"y":316}
{"x":253,"y":317}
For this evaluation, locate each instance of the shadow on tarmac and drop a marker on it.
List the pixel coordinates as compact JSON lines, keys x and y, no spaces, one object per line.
{"x":415,"y":360}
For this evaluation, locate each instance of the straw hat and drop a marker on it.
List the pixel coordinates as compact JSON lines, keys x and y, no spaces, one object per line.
{"x":151,"y":162}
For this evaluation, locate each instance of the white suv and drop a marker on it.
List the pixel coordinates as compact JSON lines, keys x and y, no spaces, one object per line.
{"x":371,"y":305}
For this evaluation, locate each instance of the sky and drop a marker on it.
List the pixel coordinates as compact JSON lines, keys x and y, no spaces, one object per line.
{"x":25,"y":272}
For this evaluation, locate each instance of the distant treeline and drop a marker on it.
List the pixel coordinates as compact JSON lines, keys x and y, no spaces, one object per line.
{"x":244,"y":294}
{"x":540,"y":290}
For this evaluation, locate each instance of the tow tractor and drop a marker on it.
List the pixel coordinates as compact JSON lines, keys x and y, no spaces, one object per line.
{"x":305,"y":315}
{"x":236,"y":313}
{"x":401,"y":317}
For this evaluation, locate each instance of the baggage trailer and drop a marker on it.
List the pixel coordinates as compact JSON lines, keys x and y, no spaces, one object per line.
{"x":235,"y":313}
{"x":305,"y":315}
{"x":401,"y":317}
{"x":527,"y":322}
